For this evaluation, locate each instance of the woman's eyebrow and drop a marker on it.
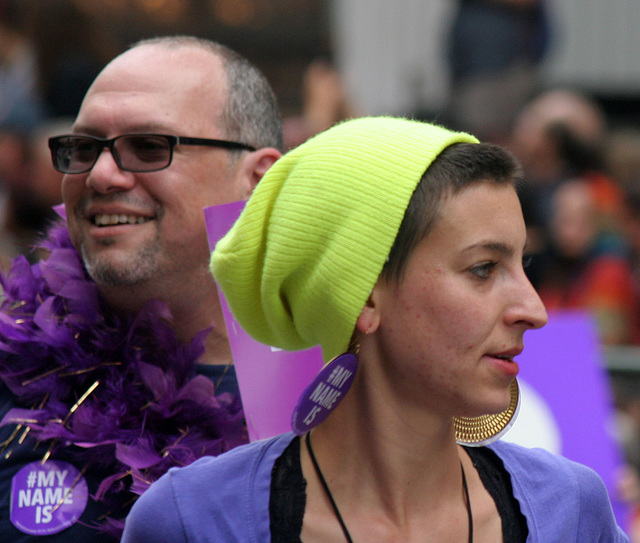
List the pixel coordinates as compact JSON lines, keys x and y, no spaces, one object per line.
{"x":496,"y":246}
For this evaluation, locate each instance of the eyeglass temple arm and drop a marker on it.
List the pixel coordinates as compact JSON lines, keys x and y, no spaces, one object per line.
{"x":183,"y":140}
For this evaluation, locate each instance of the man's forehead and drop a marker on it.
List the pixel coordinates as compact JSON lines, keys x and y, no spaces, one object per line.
{"x":145,"y":91}
{"x":159,"y":66}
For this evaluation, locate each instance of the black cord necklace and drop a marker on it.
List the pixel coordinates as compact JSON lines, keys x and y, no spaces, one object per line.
{"x":325,"y":486}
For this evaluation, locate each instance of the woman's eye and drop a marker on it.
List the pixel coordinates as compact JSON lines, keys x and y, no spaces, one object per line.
{"x":483,"y":270}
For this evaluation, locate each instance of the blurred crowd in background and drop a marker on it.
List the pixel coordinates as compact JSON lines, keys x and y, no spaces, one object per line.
{"x":581,"y":190}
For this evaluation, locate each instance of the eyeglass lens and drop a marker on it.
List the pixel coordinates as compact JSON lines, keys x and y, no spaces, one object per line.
{"x":137,"y":153}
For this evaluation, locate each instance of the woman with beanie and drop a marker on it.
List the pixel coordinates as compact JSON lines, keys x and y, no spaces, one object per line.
{"x":397,"y":247}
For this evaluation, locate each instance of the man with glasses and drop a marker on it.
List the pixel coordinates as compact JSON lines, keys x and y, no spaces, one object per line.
{"x":114,"y":358}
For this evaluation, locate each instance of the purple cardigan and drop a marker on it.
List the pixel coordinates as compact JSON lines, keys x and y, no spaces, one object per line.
{"x":227,"y":498}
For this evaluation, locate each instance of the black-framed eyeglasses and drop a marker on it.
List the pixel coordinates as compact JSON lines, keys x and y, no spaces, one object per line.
{"x":132,"y":152}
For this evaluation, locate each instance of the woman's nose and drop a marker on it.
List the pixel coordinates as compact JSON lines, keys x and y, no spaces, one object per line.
{"x":527,"y":307}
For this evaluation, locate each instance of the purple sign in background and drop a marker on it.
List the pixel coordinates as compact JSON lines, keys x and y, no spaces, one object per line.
{"x":562,"y":362}
{"x":270,"y":380}
{"x":61,"y":211}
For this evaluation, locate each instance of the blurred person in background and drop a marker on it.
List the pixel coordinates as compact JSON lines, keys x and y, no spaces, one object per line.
{"x":20,"y":100}
{"x":20,"y":111}
{"x":13,"y":153}
{"x":325,"y":101}
{"x":560,"y":135}
{"x":587,"y":265}
{"x":630,"y":221}
{"x":623,"y":163}
{"x":44,"y":180}
{"x":622,"y":157}
{"x":495,"y":48}
{"x":68,"y":61}
{"x":627,"y":399}
{"x":114,"y":358}
{"x":32,"y":188}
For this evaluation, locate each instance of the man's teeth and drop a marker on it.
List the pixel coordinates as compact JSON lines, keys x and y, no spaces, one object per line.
{"x":110,"y":220}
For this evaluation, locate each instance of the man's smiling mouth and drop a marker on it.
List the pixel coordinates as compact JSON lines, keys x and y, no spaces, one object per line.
{"x":116,"y":219}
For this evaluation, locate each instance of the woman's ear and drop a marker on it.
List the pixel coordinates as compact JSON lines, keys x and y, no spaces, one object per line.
{"x":369,"y":319}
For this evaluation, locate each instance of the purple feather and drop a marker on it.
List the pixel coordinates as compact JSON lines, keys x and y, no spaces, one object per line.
{"x":148,"y":411}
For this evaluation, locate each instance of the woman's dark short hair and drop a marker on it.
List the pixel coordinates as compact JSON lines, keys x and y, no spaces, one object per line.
{"x":456,"y":168}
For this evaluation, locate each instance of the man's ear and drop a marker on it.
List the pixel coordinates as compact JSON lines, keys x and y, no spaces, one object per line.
{"x":256,"y":164}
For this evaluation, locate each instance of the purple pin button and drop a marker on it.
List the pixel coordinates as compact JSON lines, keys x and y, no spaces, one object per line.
{"x":325,"y":392}
{"x":47,"y":498}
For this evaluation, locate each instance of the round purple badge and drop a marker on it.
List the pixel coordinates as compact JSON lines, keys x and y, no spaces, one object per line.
{"x":47,"y":498}
{"x":325,"y":392}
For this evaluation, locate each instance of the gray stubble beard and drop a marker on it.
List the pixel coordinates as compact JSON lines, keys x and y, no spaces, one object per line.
{"x":143,"y":267}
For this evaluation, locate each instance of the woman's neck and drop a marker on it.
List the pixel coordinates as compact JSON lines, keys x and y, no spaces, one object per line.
{"x":389,"y":481}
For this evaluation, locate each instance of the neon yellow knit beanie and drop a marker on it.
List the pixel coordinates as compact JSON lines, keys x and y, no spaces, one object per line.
{"x":300,"y":262}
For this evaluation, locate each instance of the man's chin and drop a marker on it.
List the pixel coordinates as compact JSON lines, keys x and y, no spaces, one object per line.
{"x":129,"y":273}
{"x":107,"y":275}
{"x":115,"y":267}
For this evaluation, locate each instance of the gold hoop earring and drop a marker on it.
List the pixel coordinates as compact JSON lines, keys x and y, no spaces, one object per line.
{"x":480,"y":431}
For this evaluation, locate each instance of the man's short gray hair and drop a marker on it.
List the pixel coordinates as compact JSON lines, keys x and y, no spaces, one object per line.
{"x":251,"y":114}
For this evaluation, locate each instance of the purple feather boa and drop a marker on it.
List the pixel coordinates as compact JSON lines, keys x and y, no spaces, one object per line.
{"x":148,"y":412}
